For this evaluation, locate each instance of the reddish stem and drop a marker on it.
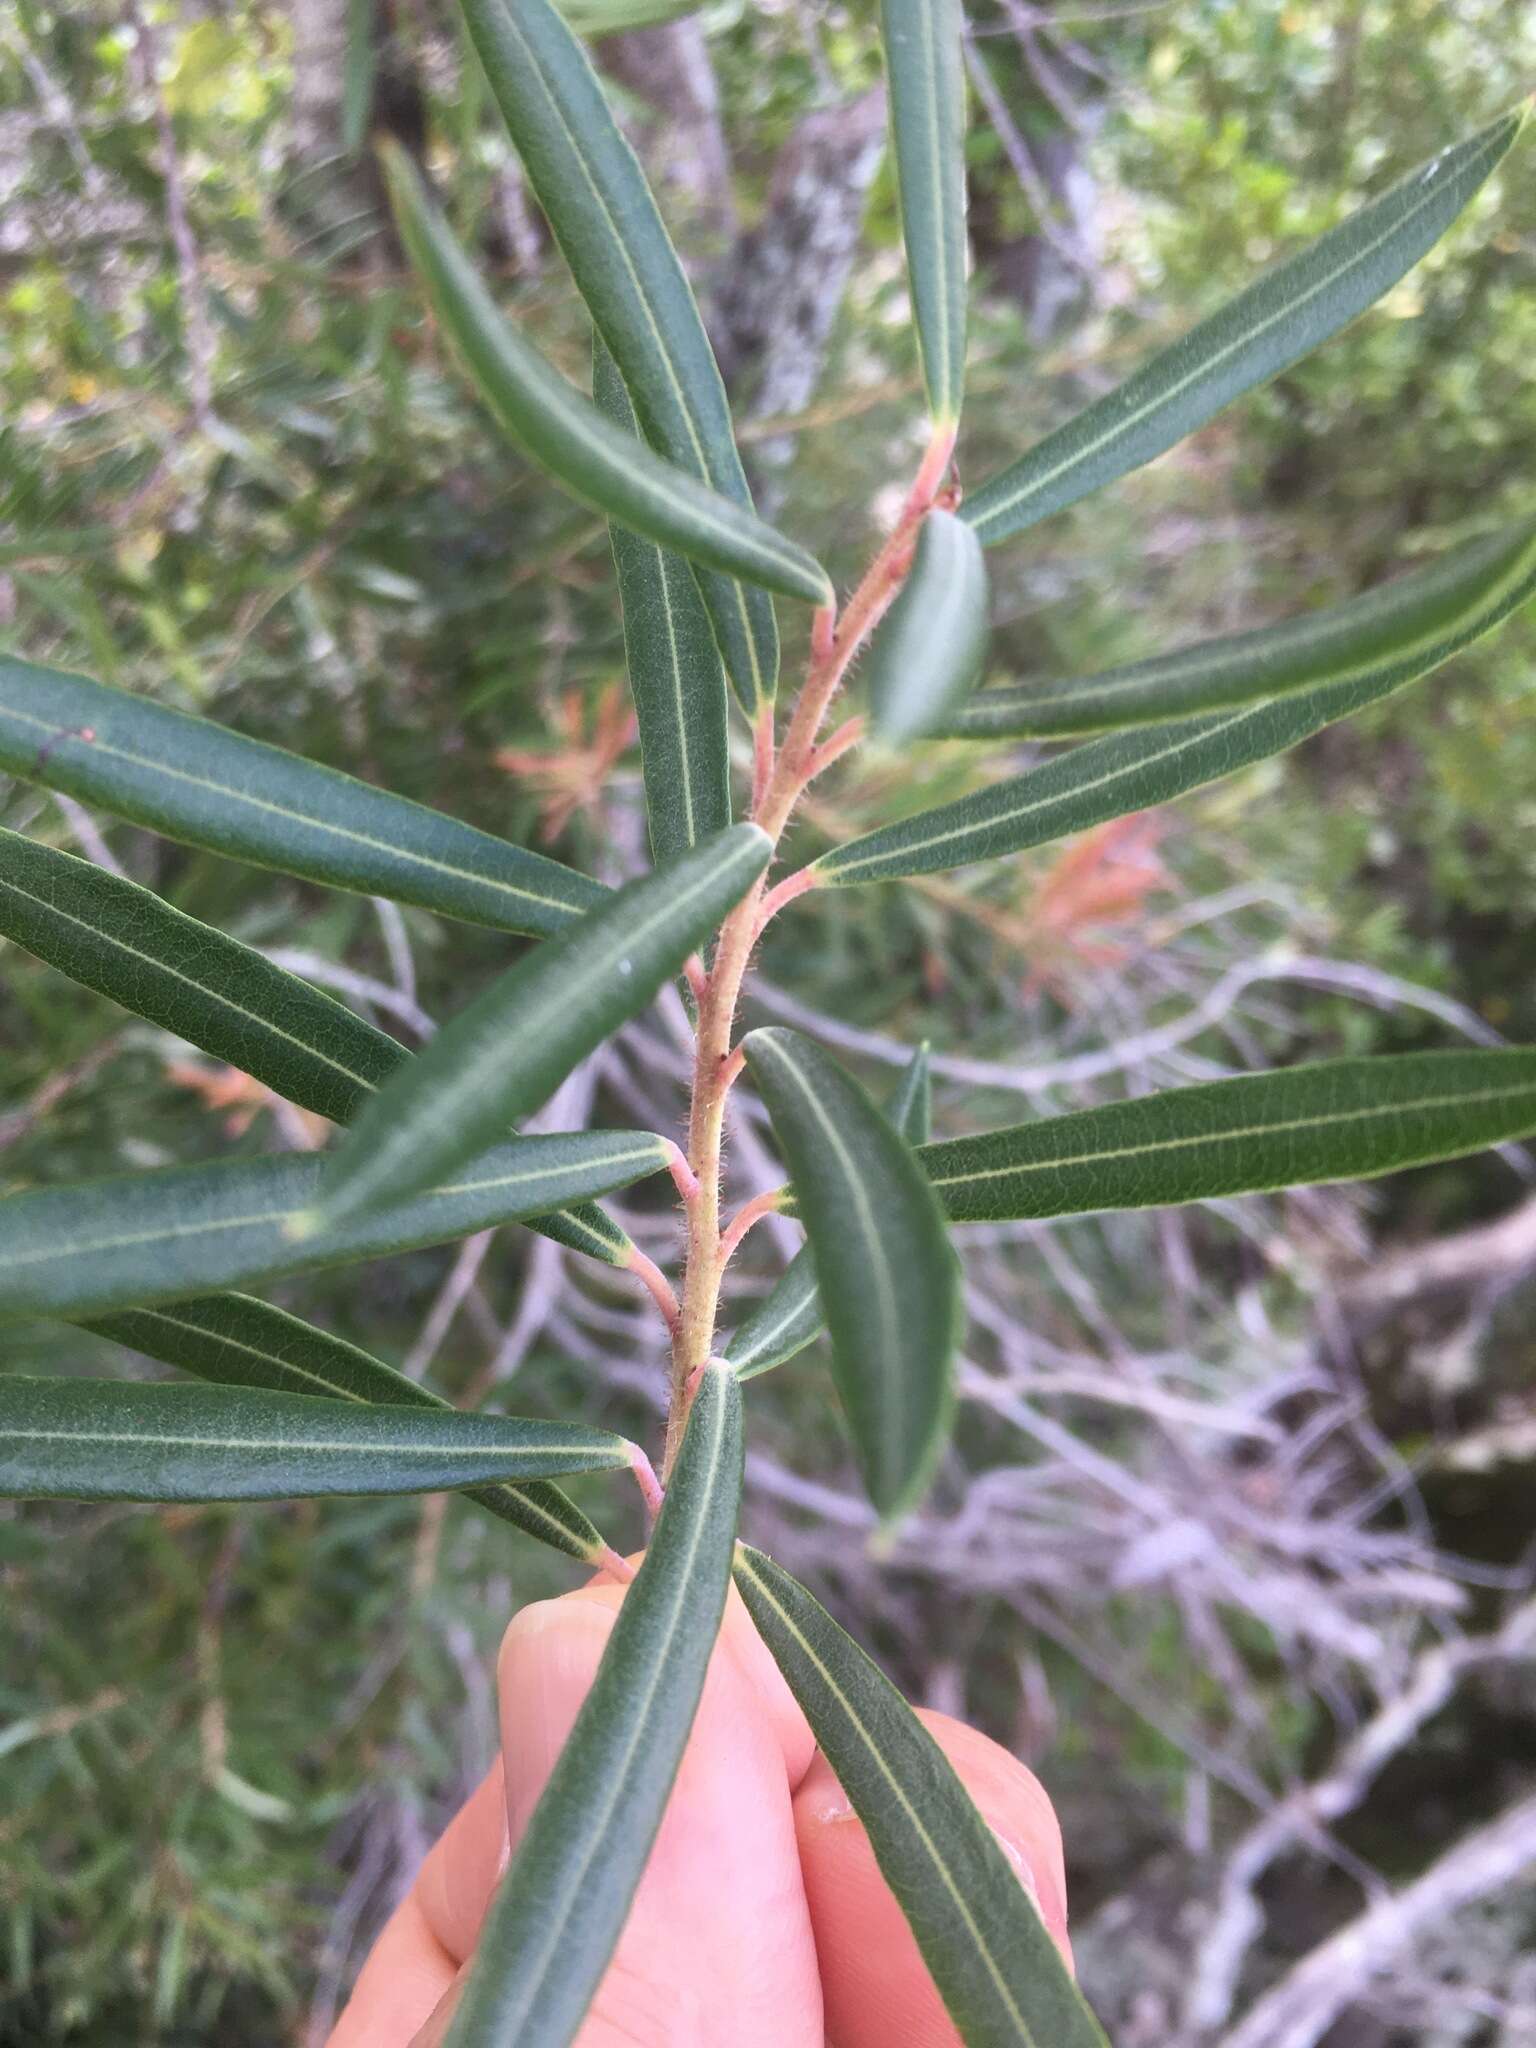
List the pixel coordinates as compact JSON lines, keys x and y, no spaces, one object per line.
{"x":751,"y":1212}
{"x":657,"y":1285}
{"x":792,"y":886}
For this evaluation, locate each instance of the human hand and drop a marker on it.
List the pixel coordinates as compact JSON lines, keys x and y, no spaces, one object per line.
{"x":762,"y":1920}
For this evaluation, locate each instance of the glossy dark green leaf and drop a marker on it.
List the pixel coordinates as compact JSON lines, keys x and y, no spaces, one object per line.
{"x":561,"y":1907}
{"x":237,"y":1341}
{"x":96,"y":1246}
{"x":999,"y":1973}
{"x":929,"y":649}
{"x":1282,"y":316}
{"x":562,"y":431}
{"x":789,"y":1315}
{"x":1388,"y":636}
{"x":220,"y":996}
{"x":1131,"y":771}
{"x":506,"y":1054}
{"x":201,"y":783}
{"x":1335,"y":1120}
{"x":925,"y":65}
{"x":73,"y":1439}
{"x":885,"y":1273}
{"x":675,"y":673}
{"x":595,"y":197}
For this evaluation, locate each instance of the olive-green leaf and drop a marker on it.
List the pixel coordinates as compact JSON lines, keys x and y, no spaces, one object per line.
{"x":237,"y":1341}
{"x":929,"y":649}
{"x":562,"y":1905}
{"x":1387,"y":636}
{"x":1334,"y":1120}
{"x":1282,"y":316}
{"x":220,"y":996}
{"x":503,"y":1056}
{"x":999,"y":1973}
{"x":96,"y":1246}
{"x":675,"y":674}
{"x":78,"y":1439}
{"x":210,"y":787}
{"x":597,"y":202}
{"x":925,"y":64}
{"x":789,"y":1316}
{"x":1130,"y":771}
{"x":885,"y":1273}
{"x":562,"y":431}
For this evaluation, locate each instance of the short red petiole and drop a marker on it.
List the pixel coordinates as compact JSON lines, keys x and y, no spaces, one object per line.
{"x":762,"y":756}
{"x":792,"y":885}
{"x":823,"y":632}
{"x":646,"y":1480}
{"x":698,"y":979}
{"x":751,"y":1212}
{"x":656,"y":1284}
{"x":730,"y":1069}
{"x":684,"y":1179}
{"x":836,"y":744}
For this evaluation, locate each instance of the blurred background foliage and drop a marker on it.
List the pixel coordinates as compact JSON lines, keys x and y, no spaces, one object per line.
{"x":237,"y":473}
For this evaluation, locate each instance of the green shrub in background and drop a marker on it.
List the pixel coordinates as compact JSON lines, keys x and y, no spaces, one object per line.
{"x":159,"y":1262}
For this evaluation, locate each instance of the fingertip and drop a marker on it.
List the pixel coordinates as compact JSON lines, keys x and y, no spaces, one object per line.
{"x":462,"y":1867}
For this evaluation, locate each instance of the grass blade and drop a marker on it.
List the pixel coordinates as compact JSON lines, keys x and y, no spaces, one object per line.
{"x":222,"y":997}
{"x":789,"y":1315}
{"x":561,"y":1907}
{"x":1282,"y":316}
{"x":926,"y":69}
{"x":507,"y":1053}
{"x":1334,"y":1120}
{"x":76,"y":1439}
{"x":929,"y":649}
{"x":997,"y":1970}
{"x":561,"y":430}
{"x":236,"y":1341}
{"x":207,"y":786}
{"x":1124,"y":772}
{"x":886,"y":1276}
{"x":102,"y":1245}
{"x":1387,"y":636}
{"x":596,"y":200}
{"x":674,"y":670}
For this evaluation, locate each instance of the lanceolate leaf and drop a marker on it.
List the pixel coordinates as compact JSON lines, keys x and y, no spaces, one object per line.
{"x":1386,"y":637}
{"x":74,"y":1439}
{"x":1111,"y":777}
{"x":885,"y":1272}
{"x":789,"y":1315}
{"x":929,"y":648}
{"x":996,"y":1968}
{"x":101,"y":1245}
{"x":201,"y":783}
{"x":504,"y":1055}
{"x":240,"y":1342}
{"x":925,"y":65}
{"x":600,"y":208}
{"x":1336,"y":1120}
{"x":674,"y":670}
{"x":561,"y":1907}
{"x":1279,"y":318}
{"x":221,"y":996}
{"x":560,"y":429}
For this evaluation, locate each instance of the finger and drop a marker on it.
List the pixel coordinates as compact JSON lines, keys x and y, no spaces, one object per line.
{"x":402,"y":1982}
{"x":717,"y":1946}
{"x":875,"y":1984}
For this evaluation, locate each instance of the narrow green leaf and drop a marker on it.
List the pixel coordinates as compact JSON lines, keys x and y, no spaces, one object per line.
{"x":886,"y":1276}
{"x":789,"y":1315}
{"x":1335,"y":1120}
{"x":929,"y":649}
{"x":559,"y":429}
{"x":74,"y":1439}
{"x":1388,"y":636}
{"x":101,"y":1245}
{"x":596,"y":200}
{"x":925,"y":64}
{"x":507,"y":1053}
{"x":613,"y":17}
{"x":1130,"y":771}
{"x":1282,"y":316}
{"x":210,"y":787}
{"x":561,"y":1907}
{"x":221,"y":996}
{"x":359,"y":70}
{"x":240,"y":1342}
{"x":674,"y":670}
{"x":999,"y":1973}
